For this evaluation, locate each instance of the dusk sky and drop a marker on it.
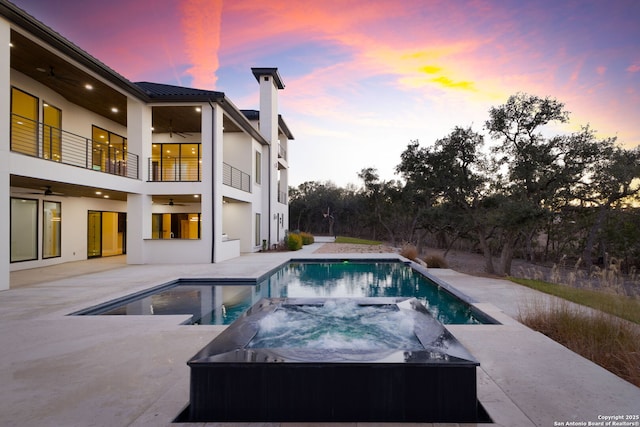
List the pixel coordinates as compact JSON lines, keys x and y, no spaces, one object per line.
{"x":365,"y":77}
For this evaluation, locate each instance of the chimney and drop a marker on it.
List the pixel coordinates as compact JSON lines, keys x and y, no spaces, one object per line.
{"x":270,"y":81}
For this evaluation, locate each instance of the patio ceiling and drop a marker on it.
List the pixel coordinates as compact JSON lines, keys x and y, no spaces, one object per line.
{"x":35,"y":186}
{"x":58,"y":74}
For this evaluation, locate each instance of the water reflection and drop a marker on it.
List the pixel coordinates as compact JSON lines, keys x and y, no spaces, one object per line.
{"x":215,"y":303}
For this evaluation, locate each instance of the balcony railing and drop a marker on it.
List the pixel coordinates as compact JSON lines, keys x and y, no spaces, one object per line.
{"x":282,"y":153}
{"x":235,"y":178}
{"x":282,"y":197}
{"x":177,"y":169}
{"x":46,"y":142}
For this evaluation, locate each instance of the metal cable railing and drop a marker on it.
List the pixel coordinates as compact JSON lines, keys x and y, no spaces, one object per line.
{"x":235,"y":178}
{"x":180,"y":169}
{"x":47,"y":142}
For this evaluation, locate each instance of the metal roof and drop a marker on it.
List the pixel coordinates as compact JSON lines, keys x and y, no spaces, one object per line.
{"x":165,"y":92}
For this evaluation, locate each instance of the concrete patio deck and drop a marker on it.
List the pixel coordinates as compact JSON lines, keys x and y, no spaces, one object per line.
{"x":59,"y":370}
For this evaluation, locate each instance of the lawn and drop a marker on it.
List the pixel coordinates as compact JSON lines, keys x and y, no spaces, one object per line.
{"x":618,"y":305}
{"x":356,"y":241}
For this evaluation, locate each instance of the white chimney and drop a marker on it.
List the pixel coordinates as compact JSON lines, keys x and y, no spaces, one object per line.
{"x":270,"y":82}
{"x":277,"y":213}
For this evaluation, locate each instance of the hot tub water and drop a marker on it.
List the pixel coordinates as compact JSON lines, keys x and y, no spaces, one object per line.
{"x":337,"y":325}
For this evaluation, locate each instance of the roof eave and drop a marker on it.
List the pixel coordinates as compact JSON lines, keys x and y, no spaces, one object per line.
{"x":284,"y":128}
{"x":241,"y":119}
{"x":36,"y":28}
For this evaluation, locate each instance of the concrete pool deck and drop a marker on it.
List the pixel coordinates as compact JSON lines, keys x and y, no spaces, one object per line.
{"x":60,"y":370}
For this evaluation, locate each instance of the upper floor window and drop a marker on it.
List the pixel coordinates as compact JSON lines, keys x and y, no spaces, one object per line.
{"x":24,"y":122}
{"x":176,"y":162}
{"x":109,"y":153}
{"x":258,"y":167}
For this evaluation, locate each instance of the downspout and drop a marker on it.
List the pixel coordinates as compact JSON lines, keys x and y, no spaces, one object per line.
{"x":270,"y":201}
{"x":213,"y":184}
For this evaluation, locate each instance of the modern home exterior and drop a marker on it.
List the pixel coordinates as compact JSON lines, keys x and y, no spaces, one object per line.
{"x":93,"y":165}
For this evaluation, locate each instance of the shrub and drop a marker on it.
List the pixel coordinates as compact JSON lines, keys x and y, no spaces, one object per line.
{"x":294,"y":242}
{"x":307,"y":238}
{"x":409,"y":251}
{"x":436,"y":261}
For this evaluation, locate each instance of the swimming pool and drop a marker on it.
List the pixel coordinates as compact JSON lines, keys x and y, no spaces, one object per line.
{"x":220,"y":302}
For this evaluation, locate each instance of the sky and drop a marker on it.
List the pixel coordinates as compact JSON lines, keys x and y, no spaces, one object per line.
{"x":364,"y":78}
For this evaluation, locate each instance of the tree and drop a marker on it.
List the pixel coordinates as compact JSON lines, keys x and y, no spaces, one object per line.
{"x":452,"y":173}
{"x":384,"y":202}
{"x":614,"y":178}
{"x":533,"y":164}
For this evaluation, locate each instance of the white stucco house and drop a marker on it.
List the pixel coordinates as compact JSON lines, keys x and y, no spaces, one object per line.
{"x":92,"y":164}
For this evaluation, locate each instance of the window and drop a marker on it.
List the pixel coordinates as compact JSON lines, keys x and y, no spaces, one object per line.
{"x":175,"y":226}
{"x":51,"y":229}
{"x":24,"y":122}
{"x":109,"y":152}
{"x":51,"y":132}
{"x":24,"y":229}
{"x":257,"y":236}
{"x":258,"y":167}
{"x":175,"y":162}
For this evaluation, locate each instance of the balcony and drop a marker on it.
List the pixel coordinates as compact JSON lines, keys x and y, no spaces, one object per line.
{"x":282,"y":197}
{"x":175,"y":169}
{"x":235,"y":178}
{"x":282,"y":152}
{"x":36,"y":139}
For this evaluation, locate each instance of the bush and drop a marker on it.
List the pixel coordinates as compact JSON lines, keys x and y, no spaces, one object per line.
{"x":307,"y":238}
{"x":436,"y":261}
{"x":294,"y":242}
{"x":409,"y":251}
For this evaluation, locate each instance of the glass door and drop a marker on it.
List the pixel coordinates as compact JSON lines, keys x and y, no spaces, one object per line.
{"x":94,"y":235}
{"x":107,"y":234}
{"x":24,"y":122}
{"x":51,"y":133}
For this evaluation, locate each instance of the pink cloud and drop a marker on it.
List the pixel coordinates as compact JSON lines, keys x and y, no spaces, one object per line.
{"x":201,"y":23}
{"x":634,"y":68}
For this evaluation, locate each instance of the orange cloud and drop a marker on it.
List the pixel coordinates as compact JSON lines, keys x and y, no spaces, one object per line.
{"x":448,"y":83}
{"x":201,"y":24}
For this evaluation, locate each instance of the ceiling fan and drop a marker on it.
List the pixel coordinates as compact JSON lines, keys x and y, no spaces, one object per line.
{"x":47,"y":191}
{"x":53,"y":75}
{"x":171,"y":131}
{"x":171,"y":203}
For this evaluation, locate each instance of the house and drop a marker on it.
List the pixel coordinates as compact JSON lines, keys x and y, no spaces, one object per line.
{"x":93,"y":165}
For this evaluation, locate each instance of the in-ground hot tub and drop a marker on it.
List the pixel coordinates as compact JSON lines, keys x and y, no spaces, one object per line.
{"x":340,"y":360}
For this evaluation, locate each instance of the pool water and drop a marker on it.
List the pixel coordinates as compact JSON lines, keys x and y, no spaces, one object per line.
{"x":214,"y":303}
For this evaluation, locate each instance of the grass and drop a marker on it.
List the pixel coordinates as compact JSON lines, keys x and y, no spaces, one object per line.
{"x":618,"y":305}
{"x":356,"y":241}
{"x":608,"y":341}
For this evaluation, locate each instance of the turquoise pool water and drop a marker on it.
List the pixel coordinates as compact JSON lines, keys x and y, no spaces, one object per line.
{"x":210,"y":302}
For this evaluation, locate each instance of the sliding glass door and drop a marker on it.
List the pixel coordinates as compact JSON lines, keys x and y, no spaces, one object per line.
{"x":106,"y":234}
